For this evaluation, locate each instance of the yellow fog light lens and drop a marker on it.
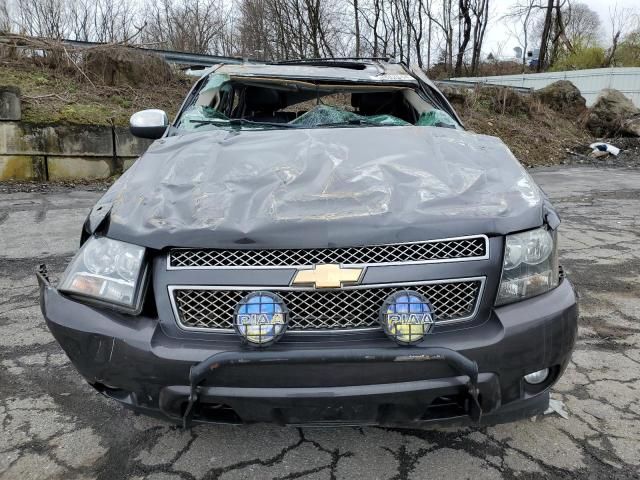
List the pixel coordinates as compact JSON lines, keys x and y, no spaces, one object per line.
{"x":406,"y":317}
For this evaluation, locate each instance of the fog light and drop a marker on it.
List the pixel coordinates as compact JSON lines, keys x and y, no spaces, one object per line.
{"x":261,"y":318}
{"x":406,"y":317}
{"x":538,"y":377}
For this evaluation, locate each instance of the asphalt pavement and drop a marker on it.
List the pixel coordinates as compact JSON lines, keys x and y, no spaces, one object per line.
{"x":53,"y":425}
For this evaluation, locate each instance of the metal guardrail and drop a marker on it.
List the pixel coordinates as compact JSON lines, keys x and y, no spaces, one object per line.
{"x":177,"y":58}
{"x":471,"y":84}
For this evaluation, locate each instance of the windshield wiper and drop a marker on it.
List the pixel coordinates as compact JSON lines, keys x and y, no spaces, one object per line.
{"x":238,"y":122}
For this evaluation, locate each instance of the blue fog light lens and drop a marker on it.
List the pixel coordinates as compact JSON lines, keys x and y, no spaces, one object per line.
{"x":261,"y":318}
{"x":406,"y":317}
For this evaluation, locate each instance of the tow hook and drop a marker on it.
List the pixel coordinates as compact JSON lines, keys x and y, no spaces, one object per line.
{"x":188,"y":413}
{"x":475,"y":409}
{"x":43,"y":274}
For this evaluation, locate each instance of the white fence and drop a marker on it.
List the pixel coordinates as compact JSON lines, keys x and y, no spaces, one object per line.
{"x":589,"y":82}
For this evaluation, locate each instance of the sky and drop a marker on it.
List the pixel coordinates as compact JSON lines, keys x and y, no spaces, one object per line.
{"x":498,"y":36}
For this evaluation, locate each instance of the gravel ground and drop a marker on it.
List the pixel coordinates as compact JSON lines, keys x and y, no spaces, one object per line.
{"x":23,"y":186}
{"x":53,"y":425}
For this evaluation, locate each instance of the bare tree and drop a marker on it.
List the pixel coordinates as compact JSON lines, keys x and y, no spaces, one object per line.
{"x":88,"y":20}
{"x":254,"y":30}
{"x":43,"y":18}
{"x":82,"y":20}
{"x":561,"y":28}
{"x":413,"y":31}
{"x":426,"y":8}
{"x":480,"y":9}
{"x":464,"y":15}
{"x":356,"y":21}
{"x":546,"y":33}
{"x":194,"y":26}
{"x":376,"y":22}
{"x":581,"y":25}
{"x":113,"y":20}
{"x":292,"y":28}
{"x":523,"y":13}
{"x":415,"y":18}
{"x":559,"y":38}
{"x":5,"y":19}
{"x":621,"y":21}
{"x":445,"y":22}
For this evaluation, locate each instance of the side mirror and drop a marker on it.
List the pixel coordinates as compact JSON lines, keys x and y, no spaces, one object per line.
{"x":149,"y":123}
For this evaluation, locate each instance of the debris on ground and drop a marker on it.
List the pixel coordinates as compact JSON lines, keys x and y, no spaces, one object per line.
{"x":557,"y":406}
{"x":629,"y":156}
{"x":603,"y":149}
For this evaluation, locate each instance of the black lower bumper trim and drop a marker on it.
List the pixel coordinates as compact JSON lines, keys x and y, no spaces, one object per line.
{"x":204,"y":370}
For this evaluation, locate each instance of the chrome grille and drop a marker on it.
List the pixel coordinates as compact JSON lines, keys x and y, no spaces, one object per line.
{"x":347,"y":308}
{"x":463,"y":248}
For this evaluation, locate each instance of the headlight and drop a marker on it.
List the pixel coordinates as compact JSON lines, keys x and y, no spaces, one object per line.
{"x":530,"y":265}
{"x":108,"y":271}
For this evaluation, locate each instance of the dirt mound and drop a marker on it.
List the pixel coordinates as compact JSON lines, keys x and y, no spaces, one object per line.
{"x":117,"y":66}
{"x":612,"y":115}
{"x":501,"y":100}
{"x":563,"y":97}
{"x":505,"y":100}
{"x":535,"y":133}
{"x":64,"y":96}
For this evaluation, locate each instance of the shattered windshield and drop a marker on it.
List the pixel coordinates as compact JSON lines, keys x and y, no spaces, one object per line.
{"x":246,"y":103}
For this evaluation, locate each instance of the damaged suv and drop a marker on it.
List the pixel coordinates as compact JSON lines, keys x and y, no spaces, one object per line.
{"x":318,"y":242}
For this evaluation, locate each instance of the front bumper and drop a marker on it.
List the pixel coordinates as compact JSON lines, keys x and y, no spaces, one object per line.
{"x":453,"y":378}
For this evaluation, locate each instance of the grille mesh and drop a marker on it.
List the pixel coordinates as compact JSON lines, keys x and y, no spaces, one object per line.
{"x":404,"y":252}
{"x":325,"y":309}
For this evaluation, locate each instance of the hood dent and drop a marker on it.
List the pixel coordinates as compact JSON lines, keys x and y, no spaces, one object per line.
{"x":322,"y":187}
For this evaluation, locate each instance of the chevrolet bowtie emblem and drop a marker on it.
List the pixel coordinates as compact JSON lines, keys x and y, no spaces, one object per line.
{"x":327,"y":276}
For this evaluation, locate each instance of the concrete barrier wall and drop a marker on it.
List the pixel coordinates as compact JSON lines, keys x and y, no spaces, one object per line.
{"x":60,"y":152}
{"x":46,"y":152}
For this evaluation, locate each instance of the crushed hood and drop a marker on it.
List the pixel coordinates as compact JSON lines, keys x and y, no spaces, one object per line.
{"x":319,"y":188}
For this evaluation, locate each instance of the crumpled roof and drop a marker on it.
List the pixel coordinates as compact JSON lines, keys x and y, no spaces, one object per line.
{"x":318,"y":188}
{"x":373,"y":71}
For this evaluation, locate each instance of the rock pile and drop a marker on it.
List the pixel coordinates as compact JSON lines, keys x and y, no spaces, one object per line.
{"x":563,"y":97}
{"x":118,"y":65}
{"x":613,"y":115}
